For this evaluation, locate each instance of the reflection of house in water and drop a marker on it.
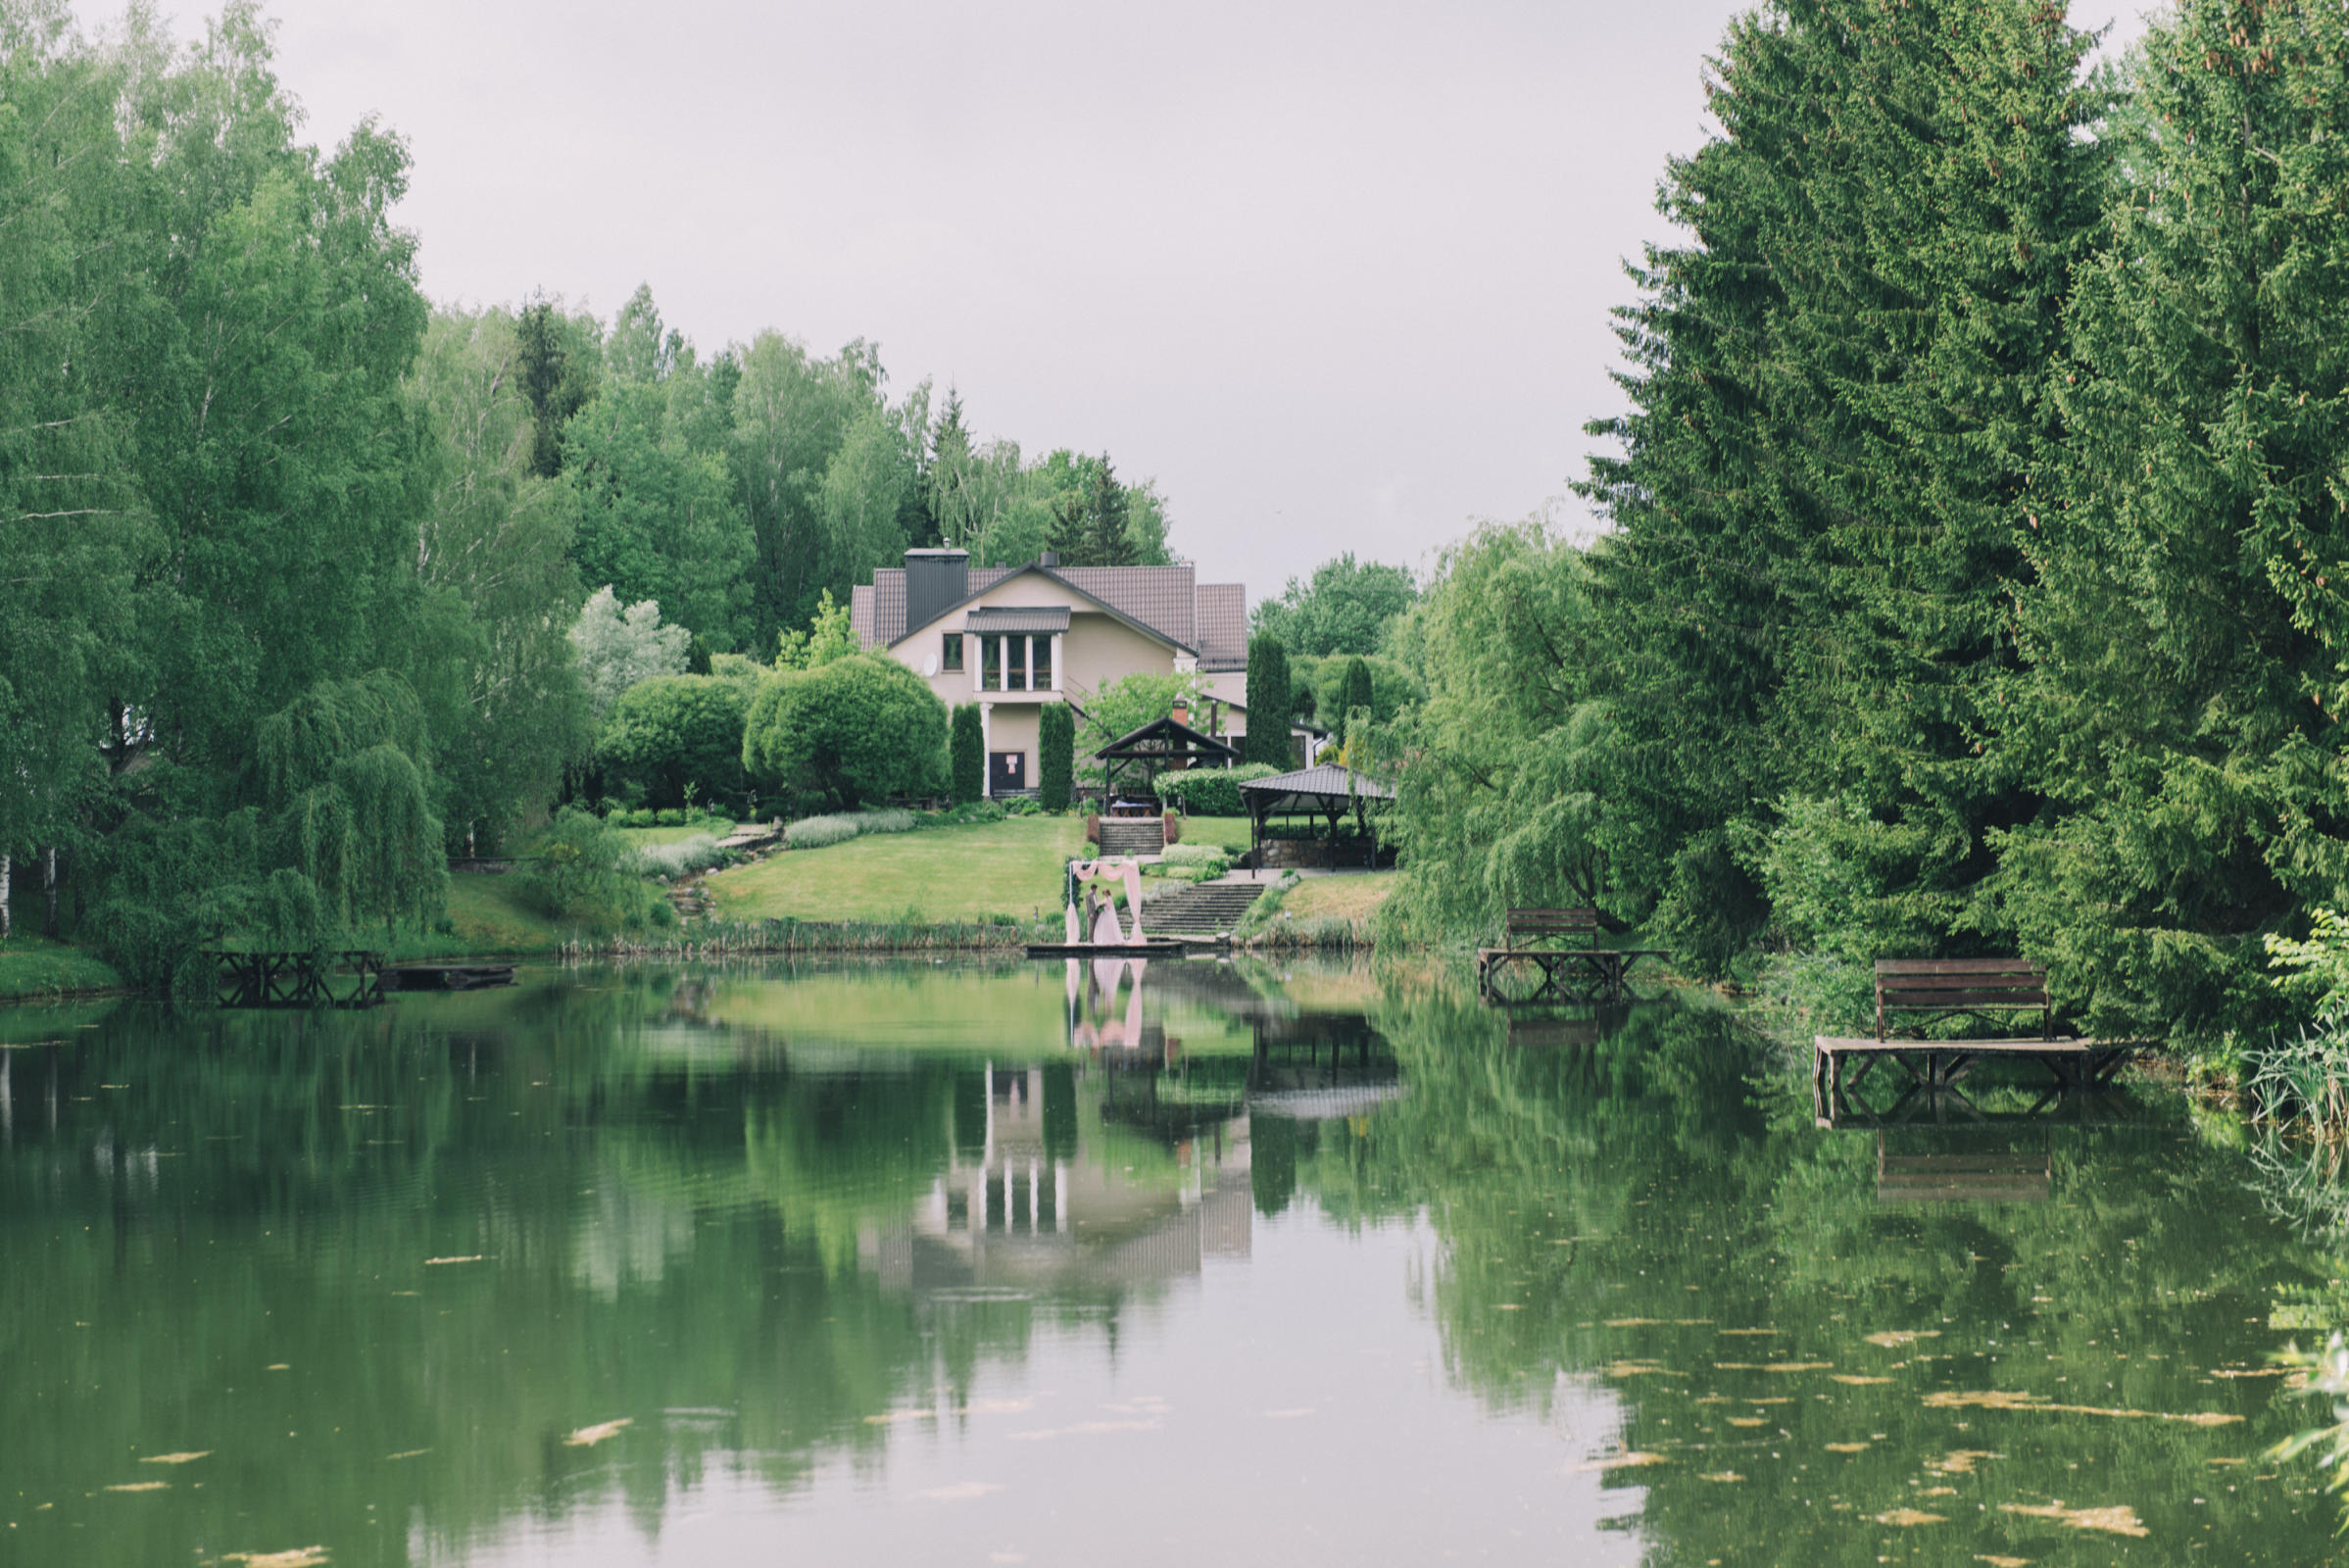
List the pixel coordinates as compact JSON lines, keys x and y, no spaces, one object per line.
{"x":1043,"y":1208}
{"x":1127,"y":1159}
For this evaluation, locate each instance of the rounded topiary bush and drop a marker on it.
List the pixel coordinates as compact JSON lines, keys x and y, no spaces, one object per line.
{"x":857,"y":729}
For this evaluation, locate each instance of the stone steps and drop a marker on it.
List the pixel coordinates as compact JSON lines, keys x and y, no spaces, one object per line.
{"x":1204,"y":908}
{"x":1142,"y":835}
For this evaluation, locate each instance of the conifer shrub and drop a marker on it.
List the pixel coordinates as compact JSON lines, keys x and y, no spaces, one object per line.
{"x":967,"y":765}
{"x":1055,"y":755}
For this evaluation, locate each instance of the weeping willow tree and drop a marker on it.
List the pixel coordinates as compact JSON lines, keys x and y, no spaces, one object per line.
{"x":344,"y":787}
{"x":334,"y":833}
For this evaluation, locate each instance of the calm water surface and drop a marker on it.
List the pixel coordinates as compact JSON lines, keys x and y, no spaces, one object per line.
{"x":922,"y":1264}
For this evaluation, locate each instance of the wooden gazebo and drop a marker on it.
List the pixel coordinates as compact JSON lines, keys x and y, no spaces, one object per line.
{"x":1156,"y":747}
{"x":1326,"y":793}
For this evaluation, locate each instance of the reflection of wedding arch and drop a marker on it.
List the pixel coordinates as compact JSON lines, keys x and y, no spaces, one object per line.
{"x":1092,"y":984}
{"x":1097,"y":924}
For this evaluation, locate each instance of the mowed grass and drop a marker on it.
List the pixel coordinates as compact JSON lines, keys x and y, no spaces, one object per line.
{"x":1344,"y":896}
{"x":637,"y":838}
{"x":942,"y":873}
{"x":32,"y":967}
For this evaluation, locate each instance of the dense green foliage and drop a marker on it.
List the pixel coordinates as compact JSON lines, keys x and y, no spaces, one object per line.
{"x":677,"y":739}
{"x":1346,"y":606}
{"x":251,"y":475}
{"x":967,"y":761}
{"x":1974,"y":520}
{"x":1269,"y":703}
{"x":1055,"y":755}
{"x":854,"y":731}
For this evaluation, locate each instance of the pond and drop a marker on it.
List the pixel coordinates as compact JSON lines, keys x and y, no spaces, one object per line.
{"x":910,"y":1262}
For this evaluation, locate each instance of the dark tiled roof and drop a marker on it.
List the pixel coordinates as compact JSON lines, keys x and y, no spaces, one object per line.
{"x":1222,"y":625}
{"x":1329,"y":780}
{"x":1161,"y":598}
{"x":1211,"y":620}
{"x":1018,"y":618}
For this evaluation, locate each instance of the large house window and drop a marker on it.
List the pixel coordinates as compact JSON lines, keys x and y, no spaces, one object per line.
{"x":952,"y":656}
{"x":1043,"y":663}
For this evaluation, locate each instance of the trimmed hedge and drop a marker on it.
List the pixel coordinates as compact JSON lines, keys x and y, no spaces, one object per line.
{"x":1211,"y":791}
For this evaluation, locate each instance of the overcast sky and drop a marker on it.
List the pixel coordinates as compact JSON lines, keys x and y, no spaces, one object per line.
{"x":1336,"y":276}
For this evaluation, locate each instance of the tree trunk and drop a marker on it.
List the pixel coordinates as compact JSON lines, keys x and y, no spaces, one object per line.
{"x":49,"y":893}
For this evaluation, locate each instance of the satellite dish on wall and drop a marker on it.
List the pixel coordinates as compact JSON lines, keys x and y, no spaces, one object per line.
{"x":929,"y":666}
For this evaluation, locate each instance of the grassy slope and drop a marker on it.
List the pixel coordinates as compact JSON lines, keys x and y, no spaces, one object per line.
{"x":32,"y":967}
{"x":637,"y":838}
{"x":489,"y":918}
{"x":1346,"y":897}
{"x":947,"y":874}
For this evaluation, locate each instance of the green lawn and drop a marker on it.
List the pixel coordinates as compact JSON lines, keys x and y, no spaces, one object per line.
{"x":32,"y":967}
{"x":945,"y":873}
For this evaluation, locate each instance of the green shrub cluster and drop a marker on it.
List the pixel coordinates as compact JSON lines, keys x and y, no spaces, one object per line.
{"x":817,"y":832}
{"x":1210,"y":791}
{"x":701,"y":853}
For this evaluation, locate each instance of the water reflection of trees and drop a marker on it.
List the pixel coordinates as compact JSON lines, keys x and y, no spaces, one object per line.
{"x":756,"y":1261}
{"x":1614,"y":1206}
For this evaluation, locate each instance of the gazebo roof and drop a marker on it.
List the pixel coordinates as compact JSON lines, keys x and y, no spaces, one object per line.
{"x":1164,"y":738}
{"x":1314,"y":789}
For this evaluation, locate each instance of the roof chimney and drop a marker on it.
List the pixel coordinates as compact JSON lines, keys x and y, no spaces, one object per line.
{"x":1182,"y":712}
{"x":1050,"y":558}
{"x":935,"y":580}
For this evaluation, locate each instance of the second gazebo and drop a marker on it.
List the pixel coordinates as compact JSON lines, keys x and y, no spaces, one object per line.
{"x":1327,"y":794}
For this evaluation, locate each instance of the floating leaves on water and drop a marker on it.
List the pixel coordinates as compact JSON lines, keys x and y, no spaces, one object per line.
{"x":1856,"y":1380}
{"x":2250,"y":1371}
{"x":1508,"y":1307}
{"x":1749,"y":1331}
{"x":959,"y":1492}
{"x":1894,"y":1338}
{"x":1905,"y":1517}
{"x":1938,"y":1491}
{"x":1746,"y":1420}
{"x":278,"y":1366}
{"x":1631,"y":1459}
{"x":1657,"y":1322}
{"x":1721,"y":1475}
{"x":2000,"y":1400}
{"x":1633,"y":1369}
{"x":408,"y":1453}
{"x":432,"y":1262}
{"x":140,"y":1486}
{"x":1847,"y":1448}
{"x":589,"y":1436}
{"x":1771,"y":1366}
{"x":298,"y":1557}
{"x":2121,"y":1519}
{"x":2003,"y":1562}
{"x":1959,"y":1461}
{"x":188,"y":1457}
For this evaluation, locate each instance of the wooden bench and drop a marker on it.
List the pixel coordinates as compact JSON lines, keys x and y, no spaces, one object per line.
{"x":1562,"y":946}
{"x":1945,"y":987}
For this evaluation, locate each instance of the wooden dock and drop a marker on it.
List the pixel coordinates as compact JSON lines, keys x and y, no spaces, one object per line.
{"x":1841,"y":1063}
{"x":1558,"y":974}
{"x":351,"y":978}
{"x":447,"y":976}
{"x":1155,"y":947}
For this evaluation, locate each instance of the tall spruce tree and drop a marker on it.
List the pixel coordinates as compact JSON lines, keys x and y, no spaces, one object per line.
{"x":2189,"y":625}
{"x":1837,"y":393}
{"x":1270,"y":697}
